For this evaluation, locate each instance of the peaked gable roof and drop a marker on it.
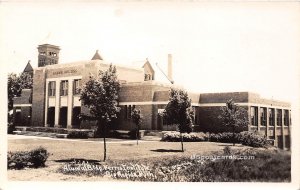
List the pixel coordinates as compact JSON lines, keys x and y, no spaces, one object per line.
{"x":28,"y":67}
{"x":97,"y":56}
{"x":148,"y":65}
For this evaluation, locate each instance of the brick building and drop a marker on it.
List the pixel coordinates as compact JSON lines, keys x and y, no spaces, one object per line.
{"x":54,"y":101}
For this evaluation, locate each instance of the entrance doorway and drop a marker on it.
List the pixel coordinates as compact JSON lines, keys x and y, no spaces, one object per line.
{"x":51,"y":116}
{"x":75,"y":117}
{"x":63,"y":117}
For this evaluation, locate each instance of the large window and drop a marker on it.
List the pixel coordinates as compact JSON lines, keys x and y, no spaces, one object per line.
{"x":64,"y":88}
{"x":286,"y":118}
{"x":128,"y":110}
{"x":279,"y":117}
{"x":271,"y":117}
{"x":76,"y":86}
{"x":263,"y":116}
{"x":51,"y":88}
{"x":254,"y":116}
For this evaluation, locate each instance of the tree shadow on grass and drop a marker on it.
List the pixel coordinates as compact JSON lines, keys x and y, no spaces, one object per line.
{"x":127,"y":144}
{"x":165,"y":150}
{"x":236,"y":145}
{"x":79,"y":160}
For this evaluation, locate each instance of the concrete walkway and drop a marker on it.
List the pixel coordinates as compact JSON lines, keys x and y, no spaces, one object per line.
{"x":100,"y":140}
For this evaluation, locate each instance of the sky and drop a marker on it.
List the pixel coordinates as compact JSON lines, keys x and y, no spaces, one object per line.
{"x":216,"y":47}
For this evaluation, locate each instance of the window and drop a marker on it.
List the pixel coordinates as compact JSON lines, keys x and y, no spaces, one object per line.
{"x":42,"y":61}
{"x":148,"y":77}
{"x":253,"y":115}
{"x":279,"y":117}
{"x":64,"y":88}
{"x":128,"y":110}
{"x":286,"y":118}
{"x":263,"y":116}
{"x":76,"y":87}
{"x":271,"y":117}
{"x":51,"y":87}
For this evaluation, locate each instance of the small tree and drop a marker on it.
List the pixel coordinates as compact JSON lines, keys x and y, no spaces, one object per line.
{"x":15,"y":84}
{"x":233,"y":116}
{"x":179,"y":112}
{"x":101,"y":97}
{"x":137,"y":120}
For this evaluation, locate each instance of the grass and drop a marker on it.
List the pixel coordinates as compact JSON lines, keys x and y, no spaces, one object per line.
{"x":117,"y":150}
{"x":160,"y":157}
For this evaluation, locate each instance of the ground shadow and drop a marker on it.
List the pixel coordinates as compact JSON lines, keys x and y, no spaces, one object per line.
{"x":79,"y":160}
{"x":236,"y":145}
{"x":127,"y":144}
{"x":165,"y":150}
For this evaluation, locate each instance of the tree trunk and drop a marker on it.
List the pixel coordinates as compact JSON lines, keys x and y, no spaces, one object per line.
{"x":181,"y":142}
{"x":137,"y":136}
{"x":233,"y":136}
{"x":104,"y":141}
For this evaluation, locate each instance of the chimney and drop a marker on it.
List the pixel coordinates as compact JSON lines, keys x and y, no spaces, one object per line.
{"x":170,"y":67}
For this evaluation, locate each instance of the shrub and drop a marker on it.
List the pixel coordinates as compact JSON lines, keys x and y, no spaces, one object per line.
{"x":187,"y":137}
{"x":34,"y":158}
{"x":38,"y":157}
{"x":252,"y":139}
{"x":245,"y":138}
{"x":132,"y":134}
{"x":225,"y":137}
{"x":78,"y":135}
{"x":10,"y":128}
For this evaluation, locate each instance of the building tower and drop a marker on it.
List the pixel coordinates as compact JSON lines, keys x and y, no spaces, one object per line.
{"x":48,"y":55}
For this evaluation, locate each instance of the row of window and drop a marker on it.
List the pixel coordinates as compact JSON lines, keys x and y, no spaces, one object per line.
{"x":64,"y":85}
{"x":54,"y":54}
{"x":263,"y":116}
{"x":51,"y":61}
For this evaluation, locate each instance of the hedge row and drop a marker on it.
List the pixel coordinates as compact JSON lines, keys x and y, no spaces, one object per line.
{"x":21,"y":159}
{"x":246,"y":138}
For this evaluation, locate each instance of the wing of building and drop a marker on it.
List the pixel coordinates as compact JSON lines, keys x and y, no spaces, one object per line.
{"x":54,"y":100}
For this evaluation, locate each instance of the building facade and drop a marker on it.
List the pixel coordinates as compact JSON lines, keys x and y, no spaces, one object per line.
{"x":54,"y":100}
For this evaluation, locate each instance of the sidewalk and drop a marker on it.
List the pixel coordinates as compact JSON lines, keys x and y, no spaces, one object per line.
{"x":108,"y":140}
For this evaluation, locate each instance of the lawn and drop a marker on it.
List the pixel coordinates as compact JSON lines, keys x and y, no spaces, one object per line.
{"x":156,"y":154}
{"x":116,"y":150}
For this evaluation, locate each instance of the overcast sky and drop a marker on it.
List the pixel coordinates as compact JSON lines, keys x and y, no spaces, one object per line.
{"x":215,"y":46}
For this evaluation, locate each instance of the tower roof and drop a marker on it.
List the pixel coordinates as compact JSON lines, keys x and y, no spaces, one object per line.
{"x":97,"y":56}
{"x":28,"y":67}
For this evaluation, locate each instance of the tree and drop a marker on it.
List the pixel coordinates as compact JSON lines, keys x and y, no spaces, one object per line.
{"x":179,"y":112}
{"x":233,"y":116}
{"x":100,"y":95}
{"x":137,"y":120}
{"x":15,"y":84}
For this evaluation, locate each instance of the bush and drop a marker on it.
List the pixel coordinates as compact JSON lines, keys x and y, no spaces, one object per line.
{"x":245,"y":138}
{"x":78,"y":134}
{"x":38,"y":157}
{"x":187,"y":137}
{"x":10,"y":128}
{"x":132,"y":134}
{"x":21,"y":159}
{"x":225,"y":137}
{"x":252,"y":139}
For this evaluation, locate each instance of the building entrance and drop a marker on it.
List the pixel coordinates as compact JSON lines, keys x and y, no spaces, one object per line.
{"x":63,"y":117}
{"x":51,"y":116}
